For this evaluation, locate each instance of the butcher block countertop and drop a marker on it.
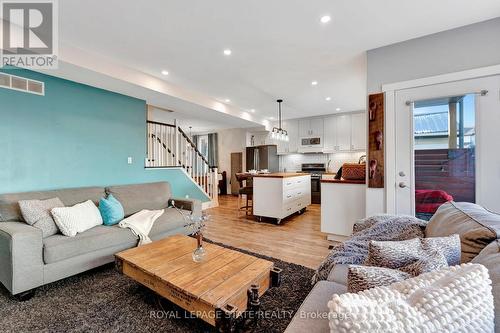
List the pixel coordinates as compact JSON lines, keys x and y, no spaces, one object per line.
{"x":343,"y":181}
{"x":280,"y":175}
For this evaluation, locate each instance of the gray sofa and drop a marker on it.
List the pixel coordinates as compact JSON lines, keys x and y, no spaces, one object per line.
{"x":479,"y":231}
{"x":28,"y":261}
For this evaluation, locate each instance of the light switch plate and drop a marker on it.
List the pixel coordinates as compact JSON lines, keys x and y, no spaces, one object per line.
{"x":129,"y":160}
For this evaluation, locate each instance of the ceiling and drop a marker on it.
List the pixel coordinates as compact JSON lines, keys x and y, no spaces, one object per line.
{"x":278,"y":47}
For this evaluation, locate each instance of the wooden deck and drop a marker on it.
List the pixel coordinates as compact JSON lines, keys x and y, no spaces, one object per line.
{"x":297,"y":240}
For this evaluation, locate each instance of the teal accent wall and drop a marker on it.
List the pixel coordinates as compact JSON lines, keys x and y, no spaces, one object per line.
{"x":75,"y":136}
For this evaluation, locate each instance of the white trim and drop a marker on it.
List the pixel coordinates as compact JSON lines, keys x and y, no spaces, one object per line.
{"x":444,"y":78}
{"x":390,"y":152}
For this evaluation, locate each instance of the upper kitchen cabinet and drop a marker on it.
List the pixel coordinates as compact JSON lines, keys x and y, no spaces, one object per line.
{"x":330,"y":138}
{"x":358,"y":131}
{"x":345,"y":132}
{"x":311,"y":127}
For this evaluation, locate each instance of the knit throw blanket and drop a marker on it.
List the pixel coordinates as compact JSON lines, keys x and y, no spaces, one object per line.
{"x":379,"y":227}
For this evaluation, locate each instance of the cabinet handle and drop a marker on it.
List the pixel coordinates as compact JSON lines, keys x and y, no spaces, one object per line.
{"x":288,"y":196}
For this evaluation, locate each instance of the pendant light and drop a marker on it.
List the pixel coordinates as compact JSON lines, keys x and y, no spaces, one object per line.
{"x":279,"y":133}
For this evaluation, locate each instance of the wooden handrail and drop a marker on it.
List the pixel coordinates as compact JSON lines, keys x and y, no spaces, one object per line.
{"x":159,"y":123}
{"x":196,"y":149}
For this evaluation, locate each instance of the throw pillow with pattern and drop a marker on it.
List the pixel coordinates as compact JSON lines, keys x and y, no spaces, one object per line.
{"x":396,"y":254}
{"x":360,"y":278}
{"x":37,"y":214}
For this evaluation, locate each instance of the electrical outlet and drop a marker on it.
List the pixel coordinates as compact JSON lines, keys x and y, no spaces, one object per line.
{"x":129,"y":160}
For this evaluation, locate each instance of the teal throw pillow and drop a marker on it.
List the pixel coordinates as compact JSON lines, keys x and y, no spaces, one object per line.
{"x":111,"y":210}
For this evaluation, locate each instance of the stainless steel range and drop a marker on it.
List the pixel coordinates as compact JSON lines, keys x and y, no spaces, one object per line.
{"x":316,"y":170}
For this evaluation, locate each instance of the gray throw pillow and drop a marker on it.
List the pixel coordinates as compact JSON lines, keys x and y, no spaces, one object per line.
{"x":360,"y":278}
{"x":365,"y":277}
{"x":396,"y":254}
{"x":427,"y":263}
{"x":37,"y":214}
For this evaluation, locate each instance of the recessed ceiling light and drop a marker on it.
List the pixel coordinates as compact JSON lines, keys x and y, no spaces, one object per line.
{"x":227,"y":100}
{"x":227,"y":52}
{"x":328,"y":99}
{"x":164,"y":72}
{"x":252,"y":110}
{"x":314,"y":83}
{"x":325,"y":19}
{"x":337,"y":109}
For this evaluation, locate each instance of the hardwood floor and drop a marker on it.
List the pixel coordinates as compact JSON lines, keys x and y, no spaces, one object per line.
{"x":297,"y":240}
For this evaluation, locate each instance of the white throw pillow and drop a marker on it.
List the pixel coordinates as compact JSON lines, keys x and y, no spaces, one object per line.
{"x":452,"y":299}
{"x":78,"y":218}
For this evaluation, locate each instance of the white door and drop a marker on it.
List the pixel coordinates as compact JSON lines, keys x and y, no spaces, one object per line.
{"x":358,"y":131}
{"x":344,"y":132}
{"x":487,"y":139}
{"x":330,"y":135}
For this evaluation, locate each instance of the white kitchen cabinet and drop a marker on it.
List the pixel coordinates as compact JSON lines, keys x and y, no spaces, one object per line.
{"x":342,"y":205}
{"x":358,"y":131}
{"x":279,"y":196}
{"x":330,"y":137}
{"x":311,"y":127}
{"x":344,"y":132}
{"x":304,"y":127}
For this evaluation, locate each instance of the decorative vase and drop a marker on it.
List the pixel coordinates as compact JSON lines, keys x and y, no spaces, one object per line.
{"x":199,"y":253}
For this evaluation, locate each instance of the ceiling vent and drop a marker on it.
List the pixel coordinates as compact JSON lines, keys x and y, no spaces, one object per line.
{"x":22,"y":84}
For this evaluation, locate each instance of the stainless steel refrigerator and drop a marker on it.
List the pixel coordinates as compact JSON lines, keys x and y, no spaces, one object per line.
{"x":263,"y":157}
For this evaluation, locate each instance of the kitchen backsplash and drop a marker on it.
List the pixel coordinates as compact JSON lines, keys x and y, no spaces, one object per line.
{"x":293,"y":162}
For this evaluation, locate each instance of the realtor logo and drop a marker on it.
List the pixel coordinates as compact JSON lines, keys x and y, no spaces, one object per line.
{"x":29,"y":34}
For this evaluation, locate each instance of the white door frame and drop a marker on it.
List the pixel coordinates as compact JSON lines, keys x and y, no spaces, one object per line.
{"x":390,"y":120}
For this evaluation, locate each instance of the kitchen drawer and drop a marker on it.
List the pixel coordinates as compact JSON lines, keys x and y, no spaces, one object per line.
{"x":294,"y":193}
{"x":295,"y":205}
{"x":293,"y":182}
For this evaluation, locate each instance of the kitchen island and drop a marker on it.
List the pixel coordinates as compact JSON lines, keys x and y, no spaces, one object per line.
{"x":281,"y":194}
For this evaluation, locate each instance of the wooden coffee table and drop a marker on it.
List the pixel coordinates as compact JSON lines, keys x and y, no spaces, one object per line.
{"x":218,"y":290}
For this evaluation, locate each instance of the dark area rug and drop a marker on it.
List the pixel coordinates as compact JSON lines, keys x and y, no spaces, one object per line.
{"x":102,"y":300}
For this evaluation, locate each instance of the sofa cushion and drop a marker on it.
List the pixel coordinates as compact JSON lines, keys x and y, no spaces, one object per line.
{"x":137,"y":197}
{"x":59,"y":247}
{"x":339,"y":274}
{"x":490,"y":258}
{"x":170,"y":220}
{"x":312,"y":315}
{"x":476,"y":226}
{"x":9,"y":203}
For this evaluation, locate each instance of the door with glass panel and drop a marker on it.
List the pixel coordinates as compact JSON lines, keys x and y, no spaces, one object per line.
{"x":443,"y":141}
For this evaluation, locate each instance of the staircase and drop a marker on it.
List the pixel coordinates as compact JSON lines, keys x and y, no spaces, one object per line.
{"x":169,"y":146}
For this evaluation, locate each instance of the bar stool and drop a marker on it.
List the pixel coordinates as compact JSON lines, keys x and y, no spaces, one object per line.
{"x":246,"y":189}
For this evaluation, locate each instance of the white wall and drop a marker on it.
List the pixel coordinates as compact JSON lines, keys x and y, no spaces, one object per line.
{"x":464,"y":48}
{"x":231,"y":141}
